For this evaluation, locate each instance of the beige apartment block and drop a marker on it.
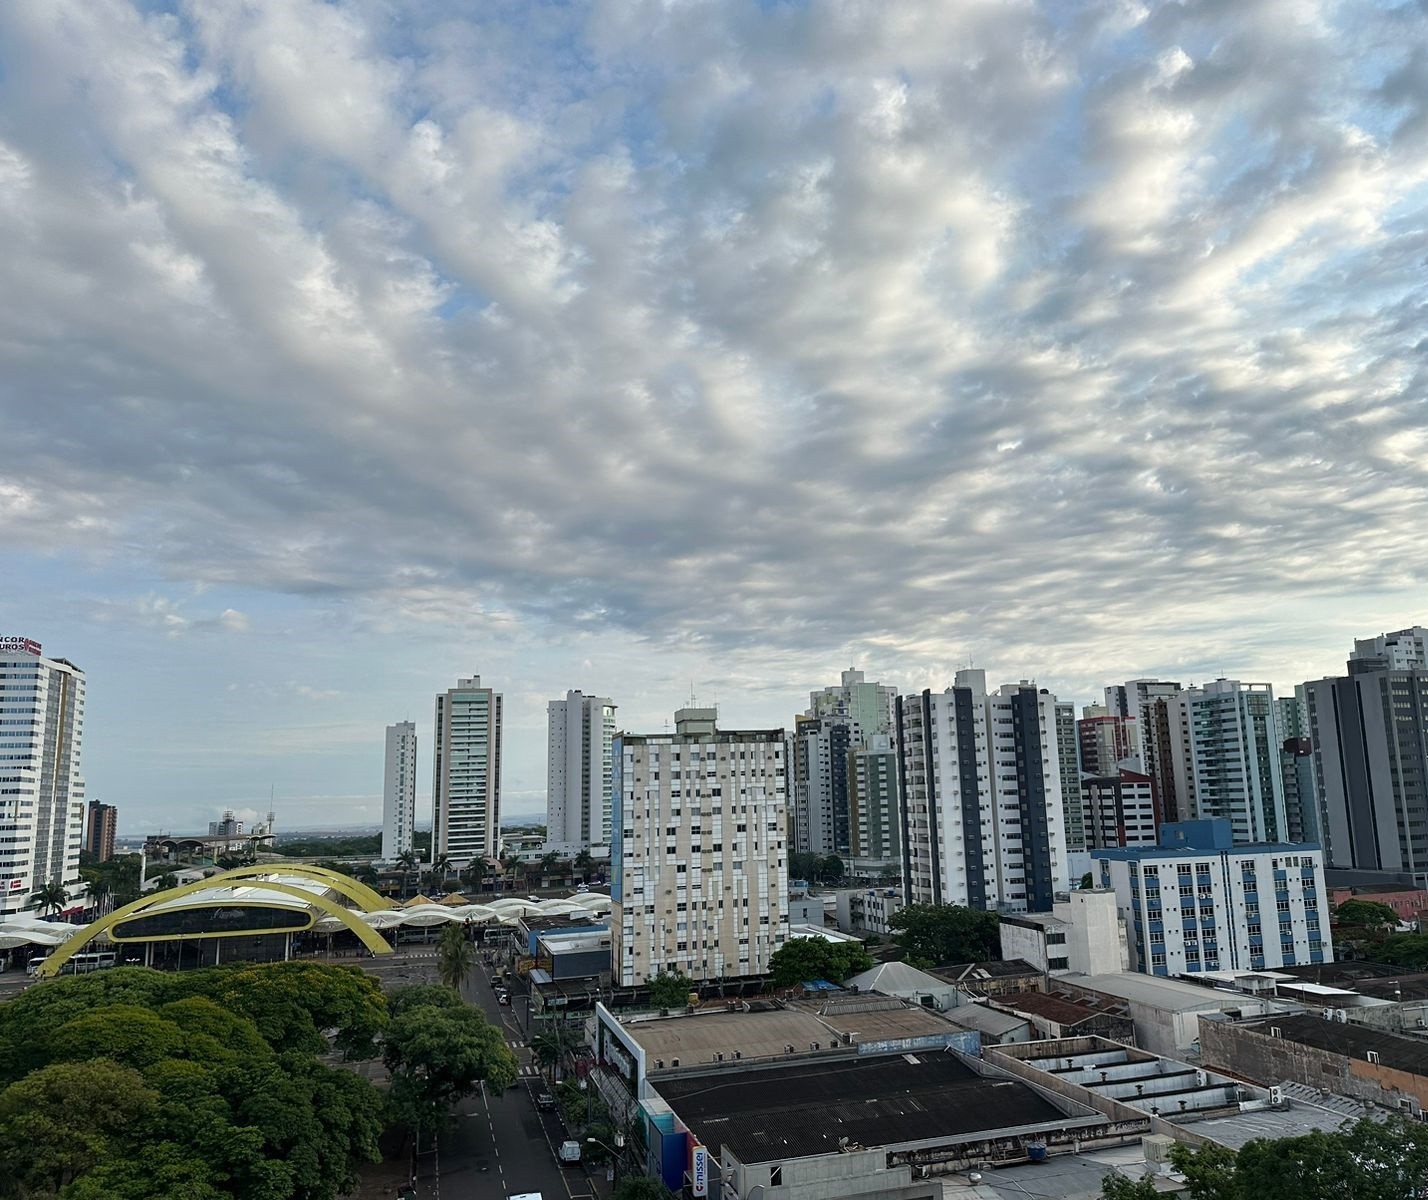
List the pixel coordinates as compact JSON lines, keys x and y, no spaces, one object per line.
{"x":699,"y":853}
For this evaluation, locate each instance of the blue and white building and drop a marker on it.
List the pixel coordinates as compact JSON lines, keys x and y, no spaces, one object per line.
{"x":1200,"y":902}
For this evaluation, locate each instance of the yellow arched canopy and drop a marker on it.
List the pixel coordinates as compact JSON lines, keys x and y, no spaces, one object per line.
{"x":354,"y":889}
{"x":370,"y":938}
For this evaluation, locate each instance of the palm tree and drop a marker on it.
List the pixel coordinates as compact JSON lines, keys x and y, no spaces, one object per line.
{"x":548,"y":863}
{"x":51,"y":897}
{"x":100,"y":892}
{"x":455,"y":956}
{"x":407,"y":861}
{"x":584,"y":864}
{"x":476,"y":871}
{"x":547,"y":1049}
{"x":441,"y":867}
{"x":164,"y":882}
{"x":510,"y":865}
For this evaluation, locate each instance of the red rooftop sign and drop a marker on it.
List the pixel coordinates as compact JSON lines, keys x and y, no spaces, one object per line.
{"x":17,"y":645}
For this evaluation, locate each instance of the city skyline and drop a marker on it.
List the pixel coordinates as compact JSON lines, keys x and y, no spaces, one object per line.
{"x":358,"y":751}
{"x":623,"y":349}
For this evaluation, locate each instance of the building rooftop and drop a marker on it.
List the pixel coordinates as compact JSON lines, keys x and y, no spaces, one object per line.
{"x":1058,"y":1007}
{"x":991,"y":1021}
{"x":1064,"y":1176}
{"x":992,"y":969}
{"x":816,"y":1108}
{"x":1354,"y":1041}
{"x":894,"y":978}
{"x":1307,"y":1112}
{"x":1174,"y":995}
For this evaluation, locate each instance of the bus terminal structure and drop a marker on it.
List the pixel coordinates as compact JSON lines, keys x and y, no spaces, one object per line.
{"x":255,"y":913}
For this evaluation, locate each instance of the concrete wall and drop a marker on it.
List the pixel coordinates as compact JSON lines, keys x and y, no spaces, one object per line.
{"x":1251,"y":1051}
{"x":1029,"y":945}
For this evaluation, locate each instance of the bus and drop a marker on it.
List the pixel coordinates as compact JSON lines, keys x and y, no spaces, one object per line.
{"x":79,"y":964}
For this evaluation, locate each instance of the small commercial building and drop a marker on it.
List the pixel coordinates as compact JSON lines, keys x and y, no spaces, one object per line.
{"x":885,"y":1126}
{"x":1083,"y":933}
{"x":993,"y":978}
{"x":1173,"y":1098}
{"x":1317,"y":1050}
{"x":868,"y":910}
{"x":907,"y":983}
{"x":1164,"y":1013}
{"x":1061,"y":1013}
{"x":994,"y":1025}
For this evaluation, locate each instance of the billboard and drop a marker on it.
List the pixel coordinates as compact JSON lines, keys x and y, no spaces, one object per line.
{"x":13,"y":644}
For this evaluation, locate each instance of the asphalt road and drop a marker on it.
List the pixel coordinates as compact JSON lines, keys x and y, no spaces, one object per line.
{"x":501,"y":1146}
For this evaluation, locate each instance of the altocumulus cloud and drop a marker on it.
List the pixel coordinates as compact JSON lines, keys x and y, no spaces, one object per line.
{"x":895,"y":329}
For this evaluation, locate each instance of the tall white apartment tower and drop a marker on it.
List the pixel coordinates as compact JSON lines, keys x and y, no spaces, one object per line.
{"x":41,"y":789}
{"x":579,"y":770}
{"x":399,"y":790}
{"x":1228,"y":747}
{"x":466,"y":779}
{"x":981,"y":802}
{"x":871,"y":707}
{"x":699,"y":862}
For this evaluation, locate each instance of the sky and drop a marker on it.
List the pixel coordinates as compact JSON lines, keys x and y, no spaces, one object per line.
{"x":671,"y":348}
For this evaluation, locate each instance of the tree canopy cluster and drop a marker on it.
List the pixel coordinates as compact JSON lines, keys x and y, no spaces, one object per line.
{"x":132,"y":1084}
{"x":800,"y":960}
{"x":931,"y":934}
{"x":815,"y":867}
{"x":1366,"y":1160}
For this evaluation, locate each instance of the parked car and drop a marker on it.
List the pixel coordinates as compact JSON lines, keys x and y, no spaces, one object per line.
{"x":545,"y":1102}
{"x":503,"y":998}
{"x":569,"y":1153}
{"x":496,"y":982}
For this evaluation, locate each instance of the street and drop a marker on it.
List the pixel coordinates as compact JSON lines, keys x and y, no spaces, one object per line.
{"x":501,"y":1146}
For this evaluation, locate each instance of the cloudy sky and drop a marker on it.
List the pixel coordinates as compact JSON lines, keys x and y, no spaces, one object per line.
{"x":646,"y":347}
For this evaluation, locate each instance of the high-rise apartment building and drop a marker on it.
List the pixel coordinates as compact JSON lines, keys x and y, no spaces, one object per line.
{"x":41,"y":788}
{"x":830,"y":745}
{"x":869,"y":706}
{"x":1368,"y":733}
{"x":819,"y":750}
{"x":1227,"y":757}
{"x":874,"y":829}
{"x":101,"y":824}
{"x":399,"y":790}
{"x":1200,"y":901}
{"x":1069,"y":758}
{"x":981,"y":796}
{"x":1296,"y":770}
{"x":1120,"y":810}
{"x":699,"y":861}
{"x":580,"y":770}
{"x":1107,"y":740}
{"x":466,"y":779}
{"x":1148,"y":701}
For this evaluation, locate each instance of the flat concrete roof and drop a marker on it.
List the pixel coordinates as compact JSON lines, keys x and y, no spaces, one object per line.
{"x":1171,"y":994}
{"x":879,"y":1100}
{"x":697,"y":1037}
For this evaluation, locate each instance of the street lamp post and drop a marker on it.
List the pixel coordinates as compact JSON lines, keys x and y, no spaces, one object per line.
{"x":613,"y":1152}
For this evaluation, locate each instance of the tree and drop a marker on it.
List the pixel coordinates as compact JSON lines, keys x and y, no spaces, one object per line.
{"x":946,"y":933}
{"x":670,"y":989}
{"x":58,"y":1122}
{"x":547,"y":1048}
{"x":407,"y":863}
{"x":891,"y":873}
{"x":1086,"y":881}
{"x":439,"y":1055}
{"x":1116,"y":1186}
{"x":831,"y":870}
{"x":800,"y":960}
{"x":441,"y":867}
{"x":456,"y":956}
{"x":476,"y":873}
{"x":51,"y":897}
{"x":165,"y":882}
{"x":549,"y":862}
{"x":1403,"y":950}
{"x":640,"y":1187}
{"x":803,"y":865}
{"x":584,"y":864}
{"x":99,"y":892}
{"x":1368,"y":1160}
{"x":1366,"y":915}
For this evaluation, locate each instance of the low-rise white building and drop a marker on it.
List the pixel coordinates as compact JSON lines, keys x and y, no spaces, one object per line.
{"x":868,"y":910}
{"x":1082,"y":933}
{"x":1200,"y":902}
